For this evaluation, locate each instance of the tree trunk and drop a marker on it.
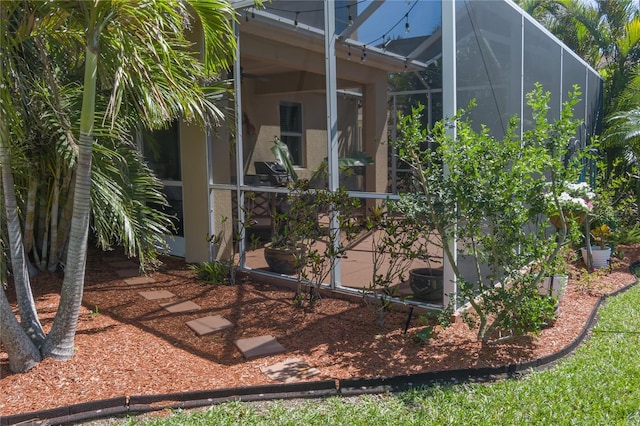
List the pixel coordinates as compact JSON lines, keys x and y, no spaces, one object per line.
{"x":54,"y":256}
{"x":30,"y":214}
{"x":28,"y":315}
{"x":23,"y":353}
{"x":59,"y":343}
{"x":64,"y":225}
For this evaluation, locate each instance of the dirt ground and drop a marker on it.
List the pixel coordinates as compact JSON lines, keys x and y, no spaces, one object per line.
{"x":128,"y":345}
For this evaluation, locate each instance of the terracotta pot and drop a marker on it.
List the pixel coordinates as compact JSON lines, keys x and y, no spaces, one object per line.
{"x":283,"y":259}
{"x":600,"y":257}
{"x":427,"y":284}
{"x":569,"y":217}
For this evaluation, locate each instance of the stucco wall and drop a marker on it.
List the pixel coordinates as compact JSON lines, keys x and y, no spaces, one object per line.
{"x":263,"y":113}
{"x":194,"y":190}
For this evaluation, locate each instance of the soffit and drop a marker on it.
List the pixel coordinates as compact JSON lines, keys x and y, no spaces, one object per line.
{"x":271,"y":45}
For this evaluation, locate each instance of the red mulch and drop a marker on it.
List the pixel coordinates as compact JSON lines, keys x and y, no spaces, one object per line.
{"x":127,"y":345}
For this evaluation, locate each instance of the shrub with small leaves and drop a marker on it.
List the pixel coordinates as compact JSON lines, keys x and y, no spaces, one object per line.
{"x":489,"y":195}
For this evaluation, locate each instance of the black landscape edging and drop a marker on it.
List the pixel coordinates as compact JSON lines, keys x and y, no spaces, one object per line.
{"x":141,"y":403}
{"x":70,"y":413}
{"x":347,"y":387}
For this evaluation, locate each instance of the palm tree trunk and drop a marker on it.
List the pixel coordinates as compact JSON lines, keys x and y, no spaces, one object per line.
{"x":23,"y":353}
{"x":54,"y":256}
{"x":40,"y":233}
{"x":59,"y":342}
{"x":64,"y":224}
{"x":44,"y":242}
{"x":30,"y":214}
{"x":26,"y":305}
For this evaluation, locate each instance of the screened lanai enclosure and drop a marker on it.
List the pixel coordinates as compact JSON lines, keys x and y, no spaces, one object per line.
{"x":327,"y":78}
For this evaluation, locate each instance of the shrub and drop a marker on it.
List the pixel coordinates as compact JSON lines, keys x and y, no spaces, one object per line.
{"x":492,"y":197}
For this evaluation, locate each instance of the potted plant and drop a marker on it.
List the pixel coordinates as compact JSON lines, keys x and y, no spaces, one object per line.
{"x":285,"y":252}
{"x":571,"y":205}
{"x":567,"y":203}
{"x":427,"y":284}
{"x":600,"y":253}
{"x":350,"y":170}
{"x":304,"y":241}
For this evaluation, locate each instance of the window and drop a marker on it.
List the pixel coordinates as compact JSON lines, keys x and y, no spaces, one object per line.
{"x":161,"y":150}
{"x":291,"y":129}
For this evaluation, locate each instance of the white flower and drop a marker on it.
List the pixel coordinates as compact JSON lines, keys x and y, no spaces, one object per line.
{"x":573,"y":203}
{"x":582,"y":190}
{"x":576,"y":197}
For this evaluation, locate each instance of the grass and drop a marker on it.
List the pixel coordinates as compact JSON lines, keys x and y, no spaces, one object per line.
{"x":598,"y":385}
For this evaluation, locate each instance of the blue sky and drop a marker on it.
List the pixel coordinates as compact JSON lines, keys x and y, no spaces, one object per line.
{"x":390,"y":19}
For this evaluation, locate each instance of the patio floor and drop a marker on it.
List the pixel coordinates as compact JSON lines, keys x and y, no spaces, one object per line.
{"x":356,"y":267}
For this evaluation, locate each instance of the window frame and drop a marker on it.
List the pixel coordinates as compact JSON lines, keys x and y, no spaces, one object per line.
{"x":287,"y":134}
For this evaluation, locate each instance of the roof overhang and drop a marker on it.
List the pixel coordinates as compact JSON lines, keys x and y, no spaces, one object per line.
{"x":297,"y":42}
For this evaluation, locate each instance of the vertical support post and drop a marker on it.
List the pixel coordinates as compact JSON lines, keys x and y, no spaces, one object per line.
{"x":561,"y":98}
{"x":210,"y":200}
{"x":237,"y":89}
{"x":332,"y":124}
{"x":449,"y":102}
{"x":522,"y":94}
{"x":211,"y":223}
{"x":430,"y":107}
{"x":394,"y":150}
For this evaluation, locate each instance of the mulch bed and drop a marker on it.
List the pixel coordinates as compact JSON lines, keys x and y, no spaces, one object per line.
{"x":128,"y":345}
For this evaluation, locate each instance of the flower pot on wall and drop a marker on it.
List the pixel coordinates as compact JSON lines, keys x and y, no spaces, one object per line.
{"x":427,"y":284}
{"x":601,"y":257}
{"x":554,"y":285}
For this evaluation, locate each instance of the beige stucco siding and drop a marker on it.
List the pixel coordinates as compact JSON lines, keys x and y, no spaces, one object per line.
{"x":194,"y":192}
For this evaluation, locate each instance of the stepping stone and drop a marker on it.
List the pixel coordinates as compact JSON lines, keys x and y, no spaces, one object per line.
{"x":259,"y":346}
{"x":180,"y":306}
{"x":210,"y":324}
{"x":156,"y":294}
{"x":139,"y":280}
{"x":128,"y":273}
{"x":290,"y":370}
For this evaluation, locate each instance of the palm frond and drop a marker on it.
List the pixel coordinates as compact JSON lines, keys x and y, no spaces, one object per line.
{"x":126,"y":198}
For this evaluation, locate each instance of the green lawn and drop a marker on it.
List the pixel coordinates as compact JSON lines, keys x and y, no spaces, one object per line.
{"x":598,"y":385}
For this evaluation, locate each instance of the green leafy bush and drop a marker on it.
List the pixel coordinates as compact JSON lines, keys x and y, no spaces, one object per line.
{"x":215,"y":272}
{"x":492,"y":197}
{"x":628,"y":235}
